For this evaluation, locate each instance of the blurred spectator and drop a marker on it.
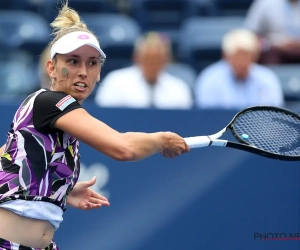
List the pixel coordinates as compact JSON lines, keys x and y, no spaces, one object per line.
{"x":277,"y":23}
{"x":45,"y":81}
{"x":237,"y":81}
{"x":146,"y":83}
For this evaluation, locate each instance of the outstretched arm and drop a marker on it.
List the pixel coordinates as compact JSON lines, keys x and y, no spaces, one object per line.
{"x":131,"y":146}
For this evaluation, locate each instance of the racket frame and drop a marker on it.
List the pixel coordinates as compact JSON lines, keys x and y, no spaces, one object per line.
{"x":212,"y":140}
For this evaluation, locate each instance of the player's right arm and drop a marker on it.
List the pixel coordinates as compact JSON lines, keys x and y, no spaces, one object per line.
{"x":130,"y":146}
{"x":56,"y":110}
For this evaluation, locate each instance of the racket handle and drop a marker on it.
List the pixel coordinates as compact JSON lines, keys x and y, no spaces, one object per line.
{"x":197,"y":141}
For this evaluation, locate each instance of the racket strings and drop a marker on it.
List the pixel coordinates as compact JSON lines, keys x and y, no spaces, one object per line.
{"x":273,"y":131}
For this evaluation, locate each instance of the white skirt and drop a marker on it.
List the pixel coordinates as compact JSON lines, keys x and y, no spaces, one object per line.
{"x":37,"y":210}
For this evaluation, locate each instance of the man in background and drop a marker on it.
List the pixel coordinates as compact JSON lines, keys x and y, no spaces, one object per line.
{"x":277,"y":23}
{"x":236,"y":81}
{"x":146,"y":83}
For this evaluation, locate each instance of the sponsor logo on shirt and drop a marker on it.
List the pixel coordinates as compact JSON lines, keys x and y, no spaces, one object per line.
{"x":63,"y":103}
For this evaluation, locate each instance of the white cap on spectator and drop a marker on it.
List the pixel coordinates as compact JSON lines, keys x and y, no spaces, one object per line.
{"x":73,"y":41}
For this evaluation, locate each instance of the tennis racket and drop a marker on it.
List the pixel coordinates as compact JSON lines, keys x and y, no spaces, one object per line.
{"x":264,"y":130}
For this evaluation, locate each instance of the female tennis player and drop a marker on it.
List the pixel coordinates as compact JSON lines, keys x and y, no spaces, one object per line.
{"x":40,"y":159}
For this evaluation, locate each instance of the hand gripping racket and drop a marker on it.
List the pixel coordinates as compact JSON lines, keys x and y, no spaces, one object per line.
{"x":264,"y":130}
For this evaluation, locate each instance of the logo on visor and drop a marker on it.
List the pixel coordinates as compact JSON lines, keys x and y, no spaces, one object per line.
{"x":83,"y":36}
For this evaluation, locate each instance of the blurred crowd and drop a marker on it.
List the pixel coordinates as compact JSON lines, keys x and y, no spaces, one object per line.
{"x":166,"y":54}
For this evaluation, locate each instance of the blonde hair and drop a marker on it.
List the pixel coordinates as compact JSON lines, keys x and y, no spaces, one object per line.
{"x":240,"y":39}
{"x":66,"y":22}
{"x":152,"y":40}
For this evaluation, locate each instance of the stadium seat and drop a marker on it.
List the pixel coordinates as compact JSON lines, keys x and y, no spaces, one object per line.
{"x":17,"y":73}
{"x":23,"y":30}
{"x":232,"y":7}
{"x":7,"y":4}
{"x":205,"y":8}
{"x":49,"y":8}
{"x":117,"y":34}
{"x":184,"y":72}
{"x":289,"y":76}
{"x":163,"y":15}
{"x":14,"y":5}
{"x":200,"y":39}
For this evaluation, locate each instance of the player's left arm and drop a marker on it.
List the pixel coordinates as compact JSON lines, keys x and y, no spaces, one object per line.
{"x":2,"y":150}
{"x":83,"y":197}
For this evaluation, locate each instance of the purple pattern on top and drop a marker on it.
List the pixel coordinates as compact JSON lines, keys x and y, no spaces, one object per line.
{"x":50,"y":176}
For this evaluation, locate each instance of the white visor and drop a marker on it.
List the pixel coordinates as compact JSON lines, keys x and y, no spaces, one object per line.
{"x":73,"y":41}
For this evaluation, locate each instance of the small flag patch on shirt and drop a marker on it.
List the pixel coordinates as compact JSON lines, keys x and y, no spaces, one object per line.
{"x":63,"y":103}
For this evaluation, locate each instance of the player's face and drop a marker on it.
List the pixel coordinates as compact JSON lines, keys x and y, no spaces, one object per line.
{"x":83,"y":67}
{"x":240,"y":63}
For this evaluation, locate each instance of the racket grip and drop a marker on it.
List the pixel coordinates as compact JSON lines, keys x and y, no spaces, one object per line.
{"x":197,"y":141}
